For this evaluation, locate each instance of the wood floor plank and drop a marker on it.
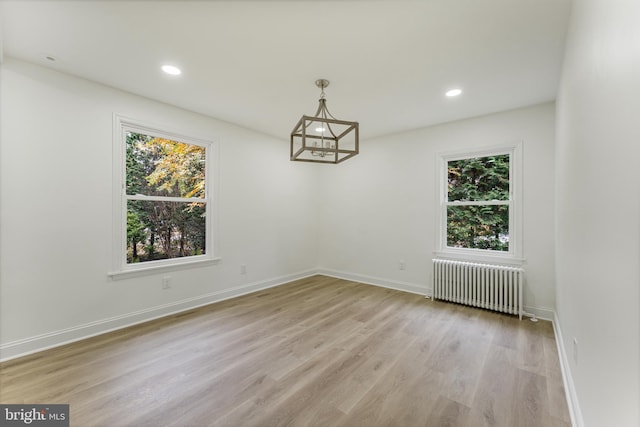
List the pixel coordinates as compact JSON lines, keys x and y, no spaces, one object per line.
{"x":319,"y":351}
{"x":461,"y":356}
{"x":358,"y":381}
{"x":449,"y":413}
{"x":493,"y":399}
{"x":404,"y":395}
{"x":531,"y":408}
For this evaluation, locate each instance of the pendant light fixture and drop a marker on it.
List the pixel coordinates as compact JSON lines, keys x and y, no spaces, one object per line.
{"x":322,"y":138}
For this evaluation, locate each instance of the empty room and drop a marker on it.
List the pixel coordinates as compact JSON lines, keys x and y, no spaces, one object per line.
{"x":320,"y":213}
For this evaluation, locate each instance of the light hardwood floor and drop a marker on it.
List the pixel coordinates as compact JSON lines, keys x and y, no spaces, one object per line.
{"x":315,"y":352}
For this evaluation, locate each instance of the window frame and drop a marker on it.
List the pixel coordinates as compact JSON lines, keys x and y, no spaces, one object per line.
{"x":515,"y":254}
{"x":120,"y":268}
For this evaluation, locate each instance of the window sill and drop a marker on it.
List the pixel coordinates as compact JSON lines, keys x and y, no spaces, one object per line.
{"x":483,"y":258}
{"x":161,"y":268}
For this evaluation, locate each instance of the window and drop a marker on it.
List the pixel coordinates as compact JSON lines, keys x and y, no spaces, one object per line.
{"x":163,"y":198}
{"x":479,"y":206}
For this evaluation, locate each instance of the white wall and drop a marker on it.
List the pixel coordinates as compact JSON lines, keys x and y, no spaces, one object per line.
{"x":55,"y":211}
{"x":598,"y":210}
{"x":376,"y":209}
{"x":380,"y":207}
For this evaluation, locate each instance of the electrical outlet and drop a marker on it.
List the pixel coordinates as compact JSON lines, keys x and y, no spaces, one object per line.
{"x":575,"y":351}
{"x":243,"y":269}
{"x":402,"y":265}
{"x":166,"y":282}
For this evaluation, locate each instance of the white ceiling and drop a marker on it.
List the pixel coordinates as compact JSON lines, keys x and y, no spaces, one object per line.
{"x":254,"y":63}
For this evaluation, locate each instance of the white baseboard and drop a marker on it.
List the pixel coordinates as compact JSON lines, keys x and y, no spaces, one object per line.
{"x":567,"y":379}
{"x":543,"y":313}
{"x":376,"y":281}
{"x":58,"y":338}
{"x":540,"y":312}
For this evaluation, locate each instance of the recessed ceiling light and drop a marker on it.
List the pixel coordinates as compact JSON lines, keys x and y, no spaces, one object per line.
{"x":453,"y":92}
{"x":320,"y":129}
{"x":170,"y":69}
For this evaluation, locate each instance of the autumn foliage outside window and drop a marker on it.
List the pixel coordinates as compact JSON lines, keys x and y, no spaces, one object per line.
{"x":166,"y":198}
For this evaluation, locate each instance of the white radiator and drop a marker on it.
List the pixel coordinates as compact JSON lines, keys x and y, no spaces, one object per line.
{"x":493,"y":287}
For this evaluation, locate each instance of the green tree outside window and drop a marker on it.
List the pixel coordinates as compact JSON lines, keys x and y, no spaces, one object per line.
{"x":478,"y":203}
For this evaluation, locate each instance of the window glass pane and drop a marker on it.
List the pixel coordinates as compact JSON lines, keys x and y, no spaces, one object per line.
{"x":164,"y":230}
{"x":162,"y":167}
{"x":479,"y":178}
{"x":478,"y":227}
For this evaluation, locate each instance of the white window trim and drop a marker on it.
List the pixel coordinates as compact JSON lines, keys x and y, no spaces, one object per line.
{"x":515,"y":254}
{"x":120,"y":268}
